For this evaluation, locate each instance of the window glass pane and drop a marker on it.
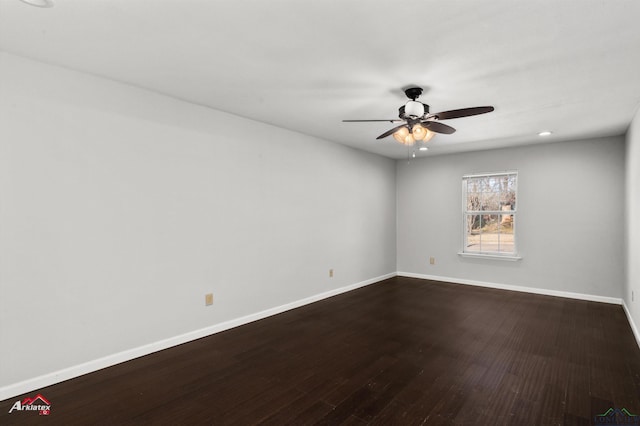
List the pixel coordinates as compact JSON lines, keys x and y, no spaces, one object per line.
{"x":490,"y":233}
{"x":473,"y":201}
{"x":491,"y":201}
{"x":483,"y":184}
{"x":471,"y":185}
{"x":507,"y":243}
{"x":508,"y":192}
{"x":512,"y":184}
{"x":473,"y":233}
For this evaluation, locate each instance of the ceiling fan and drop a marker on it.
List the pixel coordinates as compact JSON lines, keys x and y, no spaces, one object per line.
{"x":418,"y":124}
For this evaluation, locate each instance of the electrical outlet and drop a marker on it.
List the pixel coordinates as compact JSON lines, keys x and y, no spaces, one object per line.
{"x":208,"y":299}
{"x":330,"y":273}
{"x":432,"y":261}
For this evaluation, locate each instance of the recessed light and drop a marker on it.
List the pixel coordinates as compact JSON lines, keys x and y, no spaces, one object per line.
{"x":423,"y":148}
{"x":39,"y":3}
{"x":545,"y":133}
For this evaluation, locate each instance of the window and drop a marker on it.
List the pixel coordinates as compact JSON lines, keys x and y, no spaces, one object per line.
{"x":489,"y":214}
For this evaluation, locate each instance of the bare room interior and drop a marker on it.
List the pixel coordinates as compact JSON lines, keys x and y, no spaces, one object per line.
{"x":338,"y":212}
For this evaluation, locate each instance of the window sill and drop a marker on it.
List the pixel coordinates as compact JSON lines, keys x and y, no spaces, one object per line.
{"x":510,"y":258}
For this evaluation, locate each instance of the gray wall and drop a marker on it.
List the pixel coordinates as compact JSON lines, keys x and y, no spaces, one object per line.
{"x":570,"y":216}
{"x":632,"y":221}
{"x":121,"y":208}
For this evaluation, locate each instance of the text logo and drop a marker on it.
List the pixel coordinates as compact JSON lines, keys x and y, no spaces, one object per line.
{"x":38,"y":403}
{"x":616,"y":416}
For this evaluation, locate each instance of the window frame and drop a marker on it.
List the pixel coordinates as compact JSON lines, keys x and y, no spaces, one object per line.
{"x":465,"y":212}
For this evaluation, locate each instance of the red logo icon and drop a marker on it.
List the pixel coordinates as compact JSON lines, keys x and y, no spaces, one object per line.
{"x":38,"y":403}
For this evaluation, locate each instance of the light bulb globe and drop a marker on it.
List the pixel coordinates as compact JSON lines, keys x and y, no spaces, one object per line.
{"x":419,"y":132}
{"x":401,"y":134}
{"x":428,"y":136}
{"x":409,"y":140}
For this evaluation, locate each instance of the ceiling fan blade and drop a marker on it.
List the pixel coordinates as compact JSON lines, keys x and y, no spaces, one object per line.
{"x":464,"y":112}
{"x":436,"y":127}
{"x":389,"y":132}
{"x":392,"y":120}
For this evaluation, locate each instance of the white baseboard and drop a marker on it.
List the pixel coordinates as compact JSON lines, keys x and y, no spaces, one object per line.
{"x":49,"y":379}
{"x":636,"y":334}
{"x":567,"y":294}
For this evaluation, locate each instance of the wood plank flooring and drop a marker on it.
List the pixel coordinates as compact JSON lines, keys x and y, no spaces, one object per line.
{"x":400,"y":352}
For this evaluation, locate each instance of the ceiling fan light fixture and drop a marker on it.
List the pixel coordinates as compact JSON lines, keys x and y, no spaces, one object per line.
{"x":409,"y":140}
{"x":419,"y":132}
{"x":414,"y":109}
{"x":401,"y":134}
{"x":39,"y":3}
{"x":429,"y":136}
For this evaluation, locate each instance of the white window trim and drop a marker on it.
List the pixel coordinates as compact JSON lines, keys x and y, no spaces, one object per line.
{"x":488,"y":255}
{"x":508,"y":257}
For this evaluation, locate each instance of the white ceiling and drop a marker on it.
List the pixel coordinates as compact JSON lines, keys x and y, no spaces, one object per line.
{"x":572,"y":67}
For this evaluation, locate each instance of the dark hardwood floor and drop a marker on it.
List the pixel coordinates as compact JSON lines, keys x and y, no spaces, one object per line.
{"x":400,"y":352}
